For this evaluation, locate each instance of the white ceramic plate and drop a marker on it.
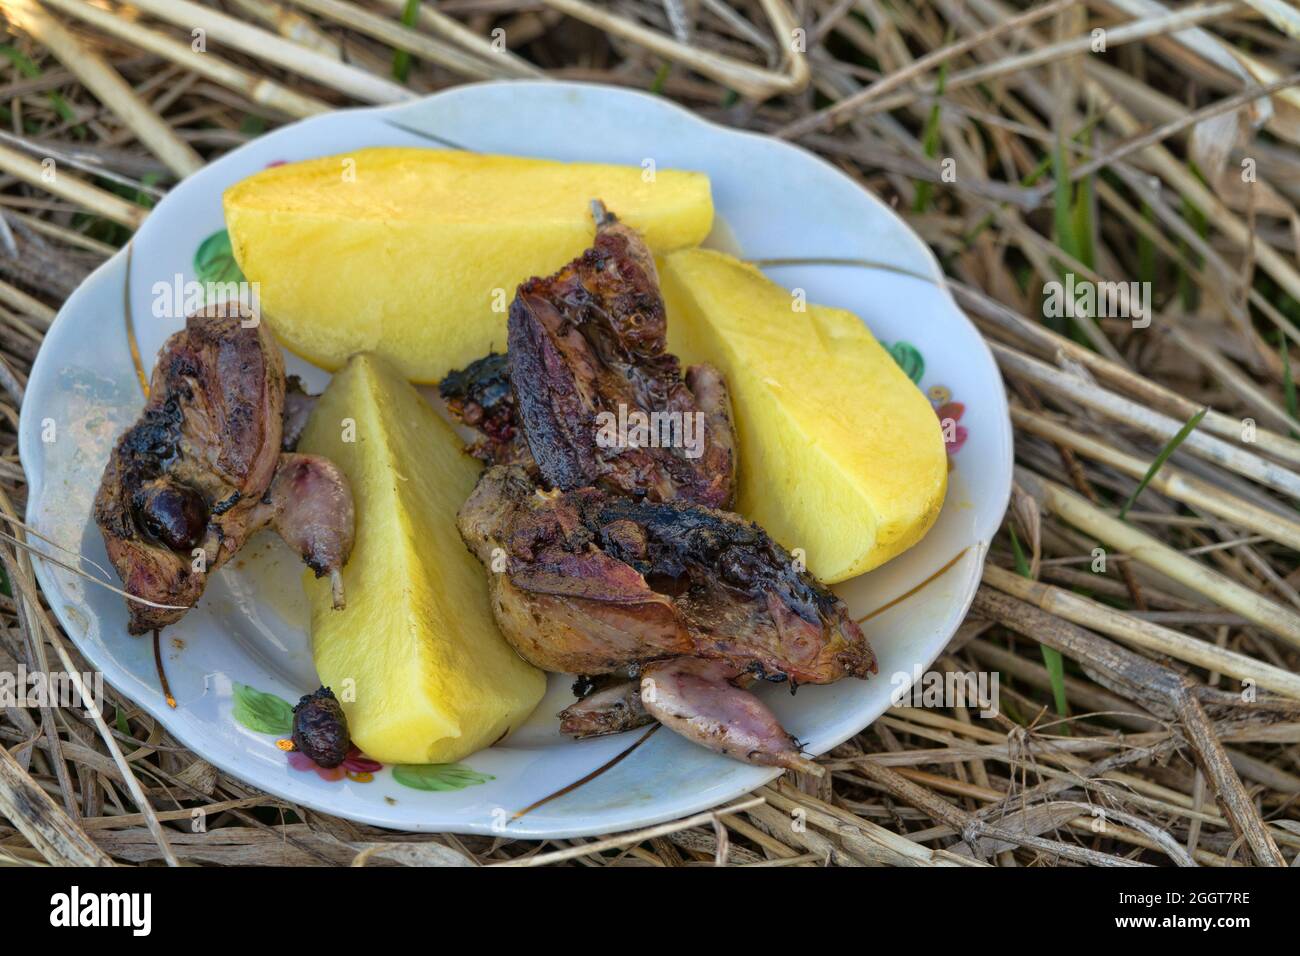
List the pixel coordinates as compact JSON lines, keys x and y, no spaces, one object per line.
{"x":775,"y":202}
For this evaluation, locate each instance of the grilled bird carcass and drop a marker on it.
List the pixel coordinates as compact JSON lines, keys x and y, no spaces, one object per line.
{"x":202,"y":469}
{"x":691,"y":602}
{"x":599,"y":400}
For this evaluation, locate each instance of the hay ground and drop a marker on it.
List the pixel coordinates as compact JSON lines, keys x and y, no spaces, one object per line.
{"x":1151,"y":712}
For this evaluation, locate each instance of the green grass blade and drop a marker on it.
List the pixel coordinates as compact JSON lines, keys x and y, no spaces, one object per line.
{"x":661,"y":78}
{"x":1052,"y":658}
{"x":930,"y":142}
{"x":1081,"y":219}
{"x":1161,"y":458}
{"x":24,"y":65}
{"x":401,"y":58}
{"x":1055,"y":665}
{"x":1147,"y":250}
{"x":1062,"y":194}
{"x":1072,"y":225}
{"x":1030,"y":178}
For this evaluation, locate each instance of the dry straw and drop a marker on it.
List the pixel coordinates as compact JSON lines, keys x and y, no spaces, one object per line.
{"x":1157,"y":686}
{"x":207,"y":64}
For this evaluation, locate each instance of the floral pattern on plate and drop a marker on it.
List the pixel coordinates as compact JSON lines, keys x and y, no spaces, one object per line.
{"x":268,"y":714}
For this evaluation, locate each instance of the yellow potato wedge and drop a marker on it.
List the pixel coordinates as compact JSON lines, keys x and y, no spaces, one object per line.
{"x":839,"y":452}
{"x":434,"y":680}
{"x":416,"y":253}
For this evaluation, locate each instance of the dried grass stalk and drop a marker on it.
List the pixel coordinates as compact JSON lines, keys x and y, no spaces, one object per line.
{"x":402,"y":38}
{"x":49,"y":830}
{"x":1138,"y":545}
{"x":742,"y":77}
{"x":208,"y":64}
{"x":1140,"y":150}
{"x":1169,"y":481}
{"x":69,"y":187}
{"x":1144,"y":634}
{"x":102,"y":80}
{"x":284,"y":54}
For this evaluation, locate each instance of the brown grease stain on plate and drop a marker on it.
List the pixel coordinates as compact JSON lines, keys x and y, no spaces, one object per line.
{"x":907,"y":594}
{"x":132,"y":342}
{"x":607,"y":765}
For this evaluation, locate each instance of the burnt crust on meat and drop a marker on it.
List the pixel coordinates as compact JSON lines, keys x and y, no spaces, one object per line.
{"x":194,"y":477}
{"x":591,"y":583}
{"x":587,"y":345}
{"x":209,"y":434}
{"x":615,"y":560}
{"x":479,"y":397}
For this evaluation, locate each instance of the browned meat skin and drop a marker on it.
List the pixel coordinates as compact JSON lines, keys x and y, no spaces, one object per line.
{"x":190,"y":471}
{"x":589,"y":583}
{"x":696,"y":698}
{"x":183,"y":489}
{"x":714,"y":400}
{"x":571,"y":611}
{"x":609,"y":710}
{"x":479,"y":397}
{"x":309,"y":504}
{"x":587,"y":348}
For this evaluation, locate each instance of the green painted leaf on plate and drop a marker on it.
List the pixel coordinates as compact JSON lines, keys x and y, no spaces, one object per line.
{"x":214,"y":260}
{"x":264,"y":713}
{"x":909,"y":360}
{"x":438,"y":776}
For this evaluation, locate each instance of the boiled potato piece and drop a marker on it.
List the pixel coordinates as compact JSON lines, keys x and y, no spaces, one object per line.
{"x":416,"y":253}
{"x":434,"y":679}
{"x":840,"y":453}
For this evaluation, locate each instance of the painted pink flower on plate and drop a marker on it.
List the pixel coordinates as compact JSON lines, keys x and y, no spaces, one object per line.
{"x":355,"y":766}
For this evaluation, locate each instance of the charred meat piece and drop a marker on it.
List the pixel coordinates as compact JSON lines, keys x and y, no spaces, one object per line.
{"x":191,"y":470}
{"x":320,"y":728}
{"x":570,"y":610}
{"x":599,"y":400}
{"x":591,"y":583}
{"x":479,"y":397}
{"x":743,"y":598}
{"x":695,"y":602}
{"x":184,"y":487}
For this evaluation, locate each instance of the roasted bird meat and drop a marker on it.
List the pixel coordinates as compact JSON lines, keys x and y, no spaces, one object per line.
{"x":202,"y":470}
{"x":690,"y":601}
{"x":610,"y":558}
{"x":599,"y":400}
